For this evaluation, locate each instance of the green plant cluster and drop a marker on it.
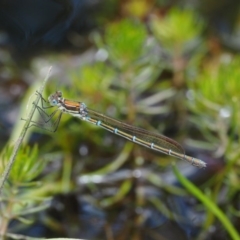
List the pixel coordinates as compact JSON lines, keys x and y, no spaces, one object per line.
{"x":19,"y":198}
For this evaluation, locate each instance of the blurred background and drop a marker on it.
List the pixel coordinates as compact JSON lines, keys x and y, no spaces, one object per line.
{"x":171,"y":67}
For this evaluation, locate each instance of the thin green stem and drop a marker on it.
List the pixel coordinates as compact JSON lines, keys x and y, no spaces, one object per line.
{"x":208,"y":203}
{"x":22,"y":134}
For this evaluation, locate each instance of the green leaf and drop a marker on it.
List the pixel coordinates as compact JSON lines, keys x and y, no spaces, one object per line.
{"x":208,"y":203}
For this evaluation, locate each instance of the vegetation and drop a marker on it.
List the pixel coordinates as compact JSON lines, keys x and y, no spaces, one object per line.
{"x":165,"y":77}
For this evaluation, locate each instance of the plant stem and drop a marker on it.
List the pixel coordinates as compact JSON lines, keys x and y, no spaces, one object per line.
{"x":22,"y":134}
{"x":208,"y":204}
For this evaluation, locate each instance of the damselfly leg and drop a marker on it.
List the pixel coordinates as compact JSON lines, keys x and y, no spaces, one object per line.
{"x":43,"y":101}
{"x":46,"y":118}
{"x":47,"y":123}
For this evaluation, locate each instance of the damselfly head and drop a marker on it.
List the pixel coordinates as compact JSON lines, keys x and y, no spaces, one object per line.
{"x":54,"y":98}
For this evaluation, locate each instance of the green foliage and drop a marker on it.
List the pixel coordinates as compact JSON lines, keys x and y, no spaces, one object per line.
{"x":178,"y":30}
{"x":124,"y":42}
{"x":26,"y":167}
{"x":220,"y":84}
{"x":19,"y":197}
{"x":138,"y":8}
{"x":133,"y":83}
{"x":94,"y":82}
{"x":216,"y":99}
{"x":95,"y":77}
{"x":210,"y":205}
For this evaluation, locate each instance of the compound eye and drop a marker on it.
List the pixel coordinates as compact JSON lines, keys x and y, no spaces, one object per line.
{"x":54,"y":102}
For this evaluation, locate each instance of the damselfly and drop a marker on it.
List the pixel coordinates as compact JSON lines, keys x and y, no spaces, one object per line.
{"x":137,"y":135}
